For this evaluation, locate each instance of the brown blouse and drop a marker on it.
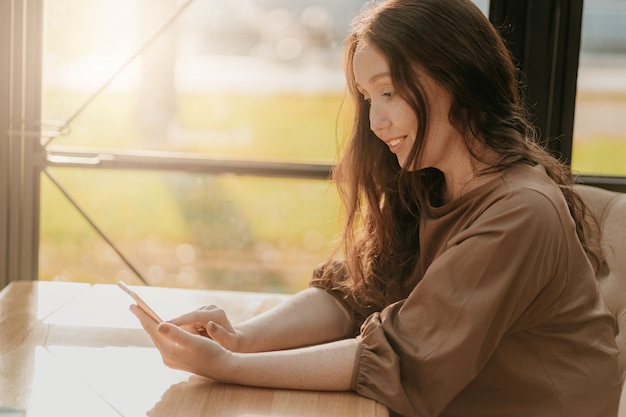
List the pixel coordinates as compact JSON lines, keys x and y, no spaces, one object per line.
{"x":503,"y":317}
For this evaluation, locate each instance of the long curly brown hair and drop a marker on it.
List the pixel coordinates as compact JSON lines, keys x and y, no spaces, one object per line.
{"x":458,"y":47}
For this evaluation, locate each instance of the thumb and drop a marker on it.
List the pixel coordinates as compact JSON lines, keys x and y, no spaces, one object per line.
{"x":219,"y":334}
{"x":176,"y":334}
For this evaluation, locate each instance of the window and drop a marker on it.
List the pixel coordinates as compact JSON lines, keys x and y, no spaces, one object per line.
{"x":546,"y":38}
{"x":189,"y":143}
{"x":599,"y":136}
{"x":219,"y":103}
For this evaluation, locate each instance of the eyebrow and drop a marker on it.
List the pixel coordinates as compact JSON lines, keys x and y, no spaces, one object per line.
{"x":378,"y":76}
{"x":375,"y":78}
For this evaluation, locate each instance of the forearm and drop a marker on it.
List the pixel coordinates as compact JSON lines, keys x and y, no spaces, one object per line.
{"x":310,"y":317}
{"x":325,"y":367}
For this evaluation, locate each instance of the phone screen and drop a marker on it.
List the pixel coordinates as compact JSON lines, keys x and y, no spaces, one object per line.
{"x":140,"y":302}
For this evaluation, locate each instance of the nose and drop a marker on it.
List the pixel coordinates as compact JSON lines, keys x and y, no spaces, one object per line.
{"x":379,"y":119}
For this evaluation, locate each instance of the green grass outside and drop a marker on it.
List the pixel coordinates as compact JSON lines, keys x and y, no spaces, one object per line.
{"x":150,"y":214}
{"x":600,"y":155}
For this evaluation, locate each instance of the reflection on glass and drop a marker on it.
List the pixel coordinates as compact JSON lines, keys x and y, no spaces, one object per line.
{"x":599,"y":135}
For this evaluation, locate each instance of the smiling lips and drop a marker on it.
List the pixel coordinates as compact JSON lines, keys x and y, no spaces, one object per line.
{"x":394,"y":142}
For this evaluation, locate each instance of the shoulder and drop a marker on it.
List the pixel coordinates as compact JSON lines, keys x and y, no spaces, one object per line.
{"x":532,"y":183}
{"x":531,"y":194}
{"x":521,"y":205}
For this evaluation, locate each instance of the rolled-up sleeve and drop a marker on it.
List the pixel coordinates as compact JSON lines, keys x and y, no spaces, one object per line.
{"x":416,"y":355}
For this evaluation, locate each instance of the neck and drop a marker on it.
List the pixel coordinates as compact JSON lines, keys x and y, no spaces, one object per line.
{"x":465,"y":176}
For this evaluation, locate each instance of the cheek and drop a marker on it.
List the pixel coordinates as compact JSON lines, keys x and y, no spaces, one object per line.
{"x":410,"y":125}
{"x":407,"y":118}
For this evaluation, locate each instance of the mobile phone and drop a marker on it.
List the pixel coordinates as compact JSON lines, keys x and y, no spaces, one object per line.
{"x":141,"y":303}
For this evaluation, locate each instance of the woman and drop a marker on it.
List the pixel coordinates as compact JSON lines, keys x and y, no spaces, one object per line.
{"x":468,"y":284}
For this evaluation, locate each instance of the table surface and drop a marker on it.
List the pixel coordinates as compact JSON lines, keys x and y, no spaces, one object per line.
{"x":72,"y":349}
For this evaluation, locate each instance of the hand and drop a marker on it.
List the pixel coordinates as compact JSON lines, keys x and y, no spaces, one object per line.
{"x":211,"y":321}
{"x":186,"y":351}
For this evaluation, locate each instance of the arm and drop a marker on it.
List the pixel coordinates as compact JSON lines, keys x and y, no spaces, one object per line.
{"x":321,"y":367}
{"x":325,"y":367}
{"x":310,"y":317}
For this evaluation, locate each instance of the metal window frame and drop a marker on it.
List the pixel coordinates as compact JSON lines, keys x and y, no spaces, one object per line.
{"x":63,"y":156}
{"x":544,"y":38}
{"x":21,"y":154}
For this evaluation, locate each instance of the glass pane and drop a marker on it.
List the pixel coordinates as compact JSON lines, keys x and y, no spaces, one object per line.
{"x":253,"y":79}
{"x":483,"y":5}
{"x":599,"y":136}
{"x":246,"y":79}
{"x":184,"y":230}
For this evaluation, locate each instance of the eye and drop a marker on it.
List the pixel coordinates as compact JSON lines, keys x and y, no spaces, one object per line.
{"x":389,"y":94}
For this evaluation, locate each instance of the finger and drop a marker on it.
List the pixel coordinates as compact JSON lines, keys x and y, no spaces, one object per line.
{"x":193,"y":322}
{"x":146,"y":321}
{"x":204,"y":316}
{"x":172,"y":353}
{"x":189,"y":352}
{"x":220,"y":335}
{"x":200,"y":315}
{"x":150,"y":326}
{"x":179,"y":336}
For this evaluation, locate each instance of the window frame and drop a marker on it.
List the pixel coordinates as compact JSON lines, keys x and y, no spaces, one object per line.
{"x":544,"y":37}
{"x":21,"y":154}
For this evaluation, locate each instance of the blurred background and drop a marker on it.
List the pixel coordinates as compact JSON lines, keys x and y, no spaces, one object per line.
{"x":232,"y":80}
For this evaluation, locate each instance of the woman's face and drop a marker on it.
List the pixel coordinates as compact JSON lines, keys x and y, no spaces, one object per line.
{"x":392,"y":119}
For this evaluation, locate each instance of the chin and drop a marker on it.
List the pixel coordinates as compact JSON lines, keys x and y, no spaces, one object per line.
{"x":403,"y":164}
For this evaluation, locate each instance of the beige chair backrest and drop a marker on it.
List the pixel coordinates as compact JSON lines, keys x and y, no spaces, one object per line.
{"x":610,"y":210}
